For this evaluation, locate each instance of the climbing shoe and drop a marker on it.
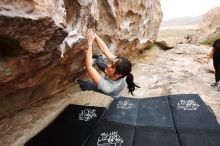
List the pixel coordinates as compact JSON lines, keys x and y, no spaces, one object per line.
{"x":214,"y":84}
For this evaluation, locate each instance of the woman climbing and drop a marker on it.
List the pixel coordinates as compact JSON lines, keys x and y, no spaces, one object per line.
{"x":117,"y":71}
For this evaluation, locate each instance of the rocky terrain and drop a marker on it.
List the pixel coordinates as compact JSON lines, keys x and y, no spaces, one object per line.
{"x":181,"y":70}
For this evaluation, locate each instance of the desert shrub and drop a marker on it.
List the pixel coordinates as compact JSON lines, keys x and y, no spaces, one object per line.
{"x":211,"y":40}
{"x":150,"y":46}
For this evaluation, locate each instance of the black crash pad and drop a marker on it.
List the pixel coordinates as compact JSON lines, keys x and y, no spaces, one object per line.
{"x":198,"y":137}
{"x":174,"y":120}
{"x":71,"y":128}
{"x":123,"y":110}
{"x":155,"y":112}
{"x":112,"y":134}
{"x":153,"y":136}
{"x":189,"y":111}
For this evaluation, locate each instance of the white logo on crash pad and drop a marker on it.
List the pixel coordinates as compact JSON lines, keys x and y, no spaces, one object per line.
{"x":87,"y":114}
{"x":125,"y":105}
{"x":109,"y":139}
{"x":189,"y":105}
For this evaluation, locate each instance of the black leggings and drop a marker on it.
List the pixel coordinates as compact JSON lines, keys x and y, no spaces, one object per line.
{"x":100,"y":62}
{"x":89,"y":84}
{"x":216,"y":64}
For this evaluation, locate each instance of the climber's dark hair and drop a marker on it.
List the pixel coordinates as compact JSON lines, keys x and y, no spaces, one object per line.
{"x":124,"y":68}
{"x":216,"y":43}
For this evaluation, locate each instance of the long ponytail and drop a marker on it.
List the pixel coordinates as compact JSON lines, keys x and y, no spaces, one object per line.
{"x":130,"y":83}
{"x":124,"y":68}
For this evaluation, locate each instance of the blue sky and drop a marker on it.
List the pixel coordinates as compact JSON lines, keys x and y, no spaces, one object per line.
{"x":180,"y":8}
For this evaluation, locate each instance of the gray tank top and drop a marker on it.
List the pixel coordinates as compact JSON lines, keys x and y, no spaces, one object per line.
{"x":110,"y":87}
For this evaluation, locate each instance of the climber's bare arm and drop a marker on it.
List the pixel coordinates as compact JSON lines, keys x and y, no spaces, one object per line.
{"x":210,"y":55}
{"x":104,"y":48}
{"x":95,"y":76}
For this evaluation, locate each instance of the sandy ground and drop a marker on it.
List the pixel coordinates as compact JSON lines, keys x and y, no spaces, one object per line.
{"x":175,"y":34}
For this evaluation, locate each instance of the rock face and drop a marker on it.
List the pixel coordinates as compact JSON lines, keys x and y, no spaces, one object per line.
{"x":42,"y":42}
{"x":209,"y":27}
{"x":165,"y":45}
{"x":129,"y":26}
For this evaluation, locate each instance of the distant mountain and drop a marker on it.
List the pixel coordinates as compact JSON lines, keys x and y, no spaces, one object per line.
{"x":182,"y":21}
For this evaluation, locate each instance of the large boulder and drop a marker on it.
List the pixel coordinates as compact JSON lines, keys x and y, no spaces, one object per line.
{"x":165,"y":44}
{"x":129,"y":26}
{"x":209,"y":28}
{"x":31,"y":33}
{"x":42,"y":43}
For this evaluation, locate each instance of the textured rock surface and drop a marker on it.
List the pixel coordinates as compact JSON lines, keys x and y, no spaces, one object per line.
{"x":30,"y":65}
{"x":32,"y":24}
{"x":129,"y":26}
{"x":209,"y":27}
{"x":165,"y":45}
{"x":42,"y":41}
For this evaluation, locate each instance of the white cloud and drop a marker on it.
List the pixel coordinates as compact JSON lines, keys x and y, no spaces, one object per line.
{"x":179,"y":8}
